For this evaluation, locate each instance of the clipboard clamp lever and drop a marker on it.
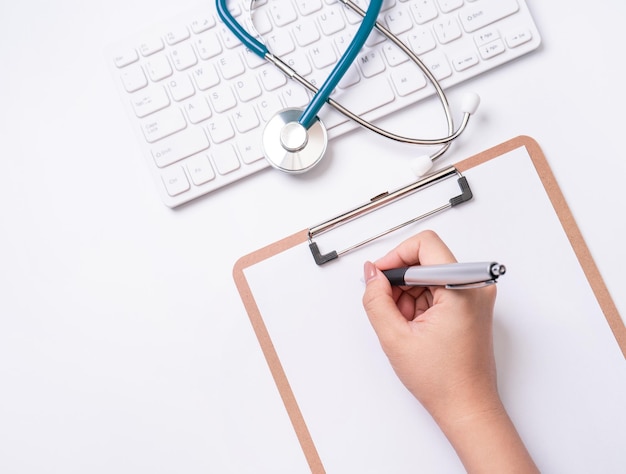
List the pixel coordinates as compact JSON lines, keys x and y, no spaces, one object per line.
{"x":382,"y":200}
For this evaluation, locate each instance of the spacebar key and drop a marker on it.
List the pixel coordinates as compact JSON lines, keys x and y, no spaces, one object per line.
{"x":363,"y":103}
{"x":484,"y":12}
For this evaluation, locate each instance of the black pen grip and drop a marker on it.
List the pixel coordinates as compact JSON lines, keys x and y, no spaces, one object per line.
{"x":396,"y":276}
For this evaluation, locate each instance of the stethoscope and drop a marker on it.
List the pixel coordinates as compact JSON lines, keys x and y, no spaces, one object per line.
{"x":295,"y":140}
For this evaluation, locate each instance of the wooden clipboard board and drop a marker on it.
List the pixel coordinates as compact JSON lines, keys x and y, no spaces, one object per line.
{"x":309,"y":441}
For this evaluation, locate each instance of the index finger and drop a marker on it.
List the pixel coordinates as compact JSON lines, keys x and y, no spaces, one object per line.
{"x":424,"y":248}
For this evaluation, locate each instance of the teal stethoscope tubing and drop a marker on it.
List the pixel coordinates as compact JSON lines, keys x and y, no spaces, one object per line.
{"x":308,"y":116}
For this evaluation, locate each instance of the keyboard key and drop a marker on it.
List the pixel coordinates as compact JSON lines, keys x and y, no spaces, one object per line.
{"x":205,"y":76}
{"x":350,"y":78}
{"x":175,"y":180}
{"x":388,"y":5}
{"x":183,"y":56}
{"x":447,"y":30}
{"x":424,"y":11}
{"x":343,"y":40}
{"x":306,"y":33}
{"x":252,"y":59}
{"x":352,"y":17}
{"x":519,"y":37}
{"x":203,"y":24}
{"x":394,"y":55}
{"x":245,"y":118}
{"x":483,"y":13}
{"x":220,"y":129}
{"x":229,"y":40}
{"x":331,"y":22}
{"x":295,"y":96}
{"x":371,"y":63}
{"x":178,"y":146}
{"x":300,"y":64}
{"x":226,"y":160}
{"x":331,"y":118}
{"x":318,"y":76}
{"x":486,"y":36}
{"x":207,"y":45}
{"x":231,"y":66}
{"x":323,"y":56}
{"x":247,"y":88}
{"x":269,"y":105}
{"x":133,"y":78}
{"x":176,"y":35}
{"x":125,"y":57}
{"x":307,"y":7}
{"x":151,"y":45}
{"x":421,"y":41}
{"x":363,"y":103}
{"x":162,"y":123}
{"x":407,"y":79}
{"x":271,"y":78}
{"x":374,"y":39}
{"x":200,"y":169}
{"x":438,"y":64}
{"x":282,"y":12}
{"x":197,"y":109}
{"x":222,"y":98}
{"x":149,"y":100}
{"x":398,"y":21}
{"x":158,"y":67}
{"x":181,"y":87}
{"x":447,"y":6}
{"x":280,"y":43}
{"x":492,"y":49}
{"x":464,"y":61}
{"x":250,"y":148}
{"x":262,"y":23}
{"x":234,"y":9}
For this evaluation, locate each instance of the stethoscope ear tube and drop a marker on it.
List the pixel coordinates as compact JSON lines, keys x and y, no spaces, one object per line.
{"x":239,"y":31}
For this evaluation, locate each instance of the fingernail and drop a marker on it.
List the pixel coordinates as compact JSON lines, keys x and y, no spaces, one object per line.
{"x":369,"y":271}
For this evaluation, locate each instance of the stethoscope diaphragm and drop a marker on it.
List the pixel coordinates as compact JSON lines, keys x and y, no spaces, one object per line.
{"x":289,"y":146}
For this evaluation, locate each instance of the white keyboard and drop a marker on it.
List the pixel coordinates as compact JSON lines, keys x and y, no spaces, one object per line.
{"x":199,"y":100}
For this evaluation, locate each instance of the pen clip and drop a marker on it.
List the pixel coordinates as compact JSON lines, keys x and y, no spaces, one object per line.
{"x":469,"y":286}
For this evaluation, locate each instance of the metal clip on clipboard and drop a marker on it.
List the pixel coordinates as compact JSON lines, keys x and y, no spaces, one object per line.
{"x":382,"y":200}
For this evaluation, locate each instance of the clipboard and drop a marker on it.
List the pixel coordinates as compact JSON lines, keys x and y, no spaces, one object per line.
{"x":560,"y":342}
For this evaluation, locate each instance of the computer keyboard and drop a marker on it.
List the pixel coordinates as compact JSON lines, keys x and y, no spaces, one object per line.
{"x":198,"y":100}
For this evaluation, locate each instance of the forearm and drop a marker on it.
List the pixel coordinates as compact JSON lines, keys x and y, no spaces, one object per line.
{"x":488,"y":442}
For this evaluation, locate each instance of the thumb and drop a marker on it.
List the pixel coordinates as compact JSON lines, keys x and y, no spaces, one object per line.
{"x":379,"y":304}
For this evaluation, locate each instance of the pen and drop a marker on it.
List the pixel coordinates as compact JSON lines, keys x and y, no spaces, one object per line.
{"x":451,"y":275}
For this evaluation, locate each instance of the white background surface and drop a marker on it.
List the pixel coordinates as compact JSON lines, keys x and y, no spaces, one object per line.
{"x":123,"y":343}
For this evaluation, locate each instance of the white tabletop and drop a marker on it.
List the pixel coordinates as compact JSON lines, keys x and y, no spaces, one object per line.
{"x":124,"y":346}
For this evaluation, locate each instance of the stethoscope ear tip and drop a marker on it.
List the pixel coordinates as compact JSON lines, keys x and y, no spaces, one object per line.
{"x":421,"y":165}
{"x":470,"y":103}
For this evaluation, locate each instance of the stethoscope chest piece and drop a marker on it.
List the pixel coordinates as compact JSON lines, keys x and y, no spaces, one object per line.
{"x":289,"y":146}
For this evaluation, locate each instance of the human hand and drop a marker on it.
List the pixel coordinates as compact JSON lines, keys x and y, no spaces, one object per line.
{"x":439,"y":342}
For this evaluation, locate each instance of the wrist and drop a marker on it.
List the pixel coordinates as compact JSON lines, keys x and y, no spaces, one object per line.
{"x":486,"y":440}
{"x":464,"y":401}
